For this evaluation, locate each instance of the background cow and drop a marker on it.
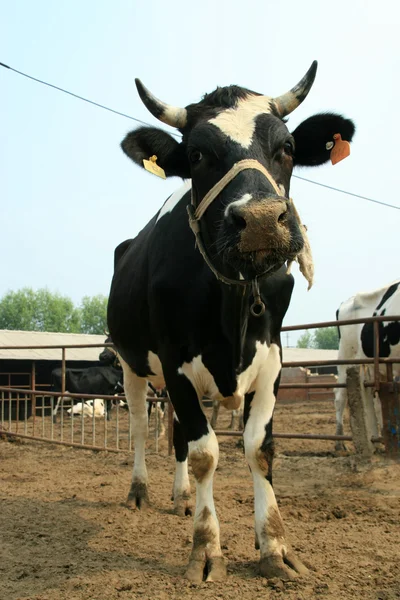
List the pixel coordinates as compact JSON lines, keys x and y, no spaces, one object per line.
{"x":204,"y":318}
{"x":88,"y":408}
{"x":357,"y":341}
{"x":93,"y":380}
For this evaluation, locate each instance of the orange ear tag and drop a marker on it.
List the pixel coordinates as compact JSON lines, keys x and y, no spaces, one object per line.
{"x":152,"y":166}
{"x":340,"y":150}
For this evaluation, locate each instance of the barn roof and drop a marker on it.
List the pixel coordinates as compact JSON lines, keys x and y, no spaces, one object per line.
{"x":38,"y":338}
{"x":297,"y":354}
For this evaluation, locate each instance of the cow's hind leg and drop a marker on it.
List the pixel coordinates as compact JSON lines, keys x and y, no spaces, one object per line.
{"x":276,"y":557}
{"x":181,"y":491}
{"x":215,"y":412}
{"x":136,"y":394}
{"x":206,"y":558}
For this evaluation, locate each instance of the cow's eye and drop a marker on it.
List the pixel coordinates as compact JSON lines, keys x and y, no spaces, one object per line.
{"x":288,"y":148}
{"x":195,"y":156}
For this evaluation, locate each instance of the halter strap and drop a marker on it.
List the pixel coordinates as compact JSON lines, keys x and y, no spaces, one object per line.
{"x":248,"y":163}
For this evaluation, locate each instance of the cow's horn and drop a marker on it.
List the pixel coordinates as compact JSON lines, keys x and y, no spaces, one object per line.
{"x":291,"y":100}
{"x":171,"y":115}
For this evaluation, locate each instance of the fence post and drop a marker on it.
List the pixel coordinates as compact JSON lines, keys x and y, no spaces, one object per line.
{"x":390,"y":401}
{"x":33,"y":396}
{"x":359,"y":421}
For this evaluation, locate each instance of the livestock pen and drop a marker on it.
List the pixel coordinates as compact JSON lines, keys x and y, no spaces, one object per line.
{"x":67,"y":533}
{"x":19,"y":403}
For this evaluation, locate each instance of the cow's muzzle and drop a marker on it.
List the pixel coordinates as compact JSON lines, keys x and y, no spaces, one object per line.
{"x":263,"y":226}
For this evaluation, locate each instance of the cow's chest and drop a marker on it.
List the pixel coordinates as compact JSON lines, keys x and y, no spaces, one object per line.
{"x":204,"y":380}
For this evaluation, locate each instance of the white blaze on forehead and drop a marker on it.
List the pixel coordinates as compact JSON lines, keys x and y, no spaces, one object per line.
{"x":243,"y":200}
{"x":173,"y":200}
{"x":239,"y":123}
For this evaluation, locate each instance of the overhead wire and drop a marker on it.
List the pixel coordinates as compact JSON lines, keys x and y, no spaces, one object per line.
{"x":117,"y":112}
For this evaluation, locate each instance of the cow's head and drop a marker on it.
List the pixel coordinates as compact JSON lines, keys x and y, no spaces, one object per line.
{"x":108,"y":356}
{"x":251,"y":227}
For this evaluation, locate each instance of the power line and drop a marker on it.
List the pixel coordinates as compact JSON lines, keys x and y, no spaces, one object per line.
{"x":117,"y":112}
{"x":348,"y":193}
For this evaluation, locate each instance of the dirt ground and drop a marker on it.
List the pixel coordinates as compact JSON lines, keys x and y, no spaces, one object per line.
{"x":66,"y":533}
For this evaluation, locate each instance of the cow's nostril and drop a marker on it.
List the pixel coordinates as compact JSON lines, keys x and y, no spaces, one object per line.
{"x":235,"y":219}
{"x":239,"y":222}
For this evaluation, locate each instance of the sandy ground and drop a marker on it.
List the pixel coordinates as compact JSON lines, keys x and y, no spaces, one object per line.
{"x":66,"y":534}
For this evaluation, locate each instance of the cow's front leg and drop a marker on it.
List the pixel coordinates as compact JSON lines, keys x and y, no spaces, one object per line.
{"x":276,"y":557}
{"x":136,"y":394}
{"x":206,"y":557}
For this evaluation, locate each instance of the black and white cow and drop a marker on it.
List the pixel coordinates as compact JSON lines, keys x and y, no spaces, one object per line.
{"x":357,"y":342}
{"x":205,"y":317}
{"x":101,"y":381}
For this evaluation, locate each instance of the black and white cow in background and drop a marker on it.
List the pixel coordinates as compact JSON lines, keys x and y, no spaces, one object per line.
{"x":206,"y":317}
{"x":101,"y":381}
{"x":357,"y":341}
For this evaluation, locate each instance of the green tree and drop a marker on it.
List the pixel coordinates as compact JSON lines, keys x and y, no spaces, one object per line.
{"x":42,"y":310}
{"x":93,"y":313}
{"x":326,"y":338}
{"x":305,"y":340}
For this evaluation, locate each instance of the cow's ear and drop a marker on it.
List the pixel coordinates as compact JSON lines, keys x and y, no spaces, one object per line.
{"x":313,"y":135}
{"x":149,"y":141}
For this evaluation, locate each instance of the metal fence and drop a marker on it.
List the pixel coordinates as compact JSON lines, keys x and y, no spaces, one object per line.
{"x":115,"y":435}
{"x":30,"y":413}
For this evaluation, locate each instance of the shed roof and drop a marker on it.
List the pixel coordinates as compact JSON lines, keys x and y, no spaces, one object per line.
{"x":38,"y":338}
{"x":297,"y":354}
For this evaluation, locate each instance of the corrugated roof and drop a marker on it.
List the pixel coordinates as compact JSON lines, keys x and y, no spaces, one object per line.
{"x":38,"y":338}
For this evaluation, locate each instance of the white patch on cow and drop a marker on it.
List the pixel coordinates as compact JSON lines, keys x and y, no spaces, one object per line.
{"x":282,"y":189}
{"x":173,"y":200}
{"x":136,"y":394}
{"x":239,"y":123}
{"x":155,"y":366}
{"x":243,"y":200}
{"x":208,"y":443}
{"x":202,"y":450}
{"x":266,"y":367}
{"x":204,"y":383}
{"x":201,"y":378}
{"x":181,"y":481}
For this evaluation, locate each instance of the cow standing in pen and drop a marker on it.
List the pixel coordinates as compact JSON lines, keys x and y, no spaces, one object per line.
{"x":203,"y":314}
{"x":357,"y":342}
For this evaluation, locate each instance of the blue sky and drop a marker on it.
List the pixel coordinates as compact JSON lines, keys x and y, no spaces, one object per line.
{"x":69,"y":195}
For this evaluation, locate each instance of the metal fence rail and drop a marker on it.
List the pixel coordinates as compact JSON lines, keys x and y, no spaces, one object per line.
{"x":21,"y":415}
{"x":116,"y":435}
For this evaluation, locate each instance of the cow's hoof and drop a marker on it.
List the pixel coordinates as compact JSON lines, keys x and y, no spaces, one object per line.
{"x":183,"y":505}
{"x":282,"y":568}
{"x":256,"y":543}
{"x":216,"y":569}
{"x":195,"y":570}
{"x":138,"y":496}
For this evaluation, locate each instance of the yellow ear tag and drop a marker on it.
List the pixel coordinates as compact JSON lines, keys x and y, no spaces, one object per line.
{"x":152,"y":166}
{"x":340,"y":150}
